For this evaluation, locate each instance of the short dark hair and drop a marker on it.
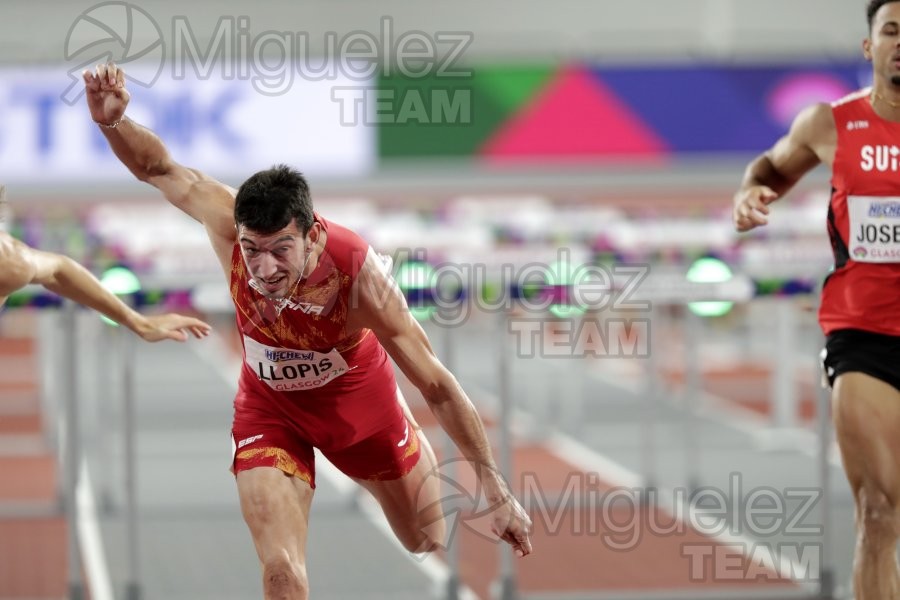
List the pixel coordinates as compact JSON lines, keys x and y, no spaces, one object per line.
{"x":270,"y":199}
{"x":874,"y":6}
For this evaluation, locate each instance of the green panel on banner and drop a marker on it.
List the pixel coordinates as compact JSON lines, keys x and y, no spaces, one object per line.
{"x":450,"y":116}
{"x":415,"y":126}
{"x":514,"y":86}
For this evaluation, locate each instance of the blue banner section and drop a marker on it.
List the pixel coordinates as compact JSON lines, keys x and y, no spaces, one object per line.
{"x":727,"y":108}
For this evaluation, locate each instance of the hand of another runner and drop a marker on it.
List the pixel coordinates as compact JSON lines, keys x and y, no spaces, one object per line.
{"x":171,"y":327}
{"x":751,"y":207}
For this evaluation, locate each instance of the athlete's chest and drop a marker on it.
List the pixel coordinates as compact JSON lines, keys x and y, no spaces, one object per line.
{"x":868,"y":154}
{"x":315,"y":316}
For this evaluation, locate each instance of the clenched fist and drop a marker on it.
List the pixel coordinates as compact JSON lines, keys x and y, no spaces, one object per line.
{"x":751,"y":207}
{"x":107,"y":97}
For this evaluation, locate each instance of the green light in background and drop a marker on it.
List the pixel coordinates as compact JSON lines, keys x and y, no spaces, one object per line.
{"x":562,"y":273}
{"x":120,"y":281}
{"x":709,"y":270}
{"x":415,"y":275}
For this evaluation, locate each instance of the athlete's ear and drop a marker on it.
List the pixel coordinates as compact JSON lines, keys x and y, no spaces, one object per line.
{"x":867,"y":49}
{"x":313,"y":233}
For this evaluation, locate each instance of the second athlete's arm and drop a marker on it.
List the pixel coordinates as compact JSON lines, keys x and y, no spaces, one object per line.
{"x":769,"y":176}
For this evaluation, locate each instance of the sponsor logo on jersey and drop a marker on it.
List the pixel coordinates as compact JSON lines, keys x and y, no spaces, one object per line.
{"x":304,"y":307}
{"x":280,"y":355}
{"x":884,"y":210}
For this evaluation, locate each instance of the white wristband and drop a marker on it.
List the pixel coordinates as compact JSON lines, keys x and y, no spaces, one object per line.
{"x":111,"y":125}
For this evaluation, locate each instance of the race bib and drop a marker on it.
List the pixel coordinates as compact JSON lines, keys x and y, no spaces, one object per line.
{"x":286,"y":370}
{"x":874,"y":229}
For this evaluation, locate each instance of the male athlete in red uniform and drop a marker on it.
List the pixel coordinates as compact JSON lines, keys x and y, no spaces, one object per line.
{"x":859,"y":138}
{"x":319,"y":315}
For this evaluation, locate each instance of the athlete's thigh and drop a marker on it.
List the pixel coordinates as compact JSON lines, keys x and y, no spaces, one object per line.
{"x":866,"y":414}
{"x":411,"y":503}
{"x":276,"y":507}
{"x":398,"y":467}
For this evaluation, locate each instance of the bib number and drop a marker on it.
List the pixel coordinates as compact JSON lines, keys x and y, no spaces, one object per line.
{"x":874,"y":229}
{"x":286,"y":370}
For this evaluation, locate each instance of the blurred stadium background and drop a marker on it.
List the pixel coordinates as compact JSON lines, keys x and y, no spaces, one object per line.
{"x":496,"y":150}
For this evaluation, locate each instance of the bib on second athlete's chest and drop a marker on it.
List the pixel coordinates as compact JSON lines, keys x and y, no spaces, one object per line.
{"x":874,"y":229}
{"x":287,"y":370}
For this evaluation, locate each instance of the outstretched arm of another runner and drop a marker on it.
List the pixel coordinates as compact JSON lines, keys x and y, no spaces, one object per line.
{"x":21,"y":265}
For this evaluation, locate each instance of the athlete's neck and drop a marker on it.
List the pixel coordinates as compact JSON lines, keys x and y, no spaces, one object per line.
{"x":317,"y":250}
{"x":885,"y":102}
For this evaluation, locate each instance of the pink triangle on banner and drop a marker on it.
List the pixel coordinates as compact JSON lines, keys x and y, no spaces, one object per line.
{"x":574,"y":116}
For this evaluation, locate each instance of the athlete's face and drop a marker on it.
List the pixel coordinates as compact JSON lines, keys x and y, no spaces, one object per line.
{"x":883,"y":45}
{"x":276,"y":261}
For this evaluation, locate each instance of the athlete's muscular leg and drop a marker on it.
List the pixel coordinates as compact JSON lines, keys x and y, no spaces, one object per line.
{"x":867,"y":420}
{"x":276,"y":508}
{"x":412,"y":503}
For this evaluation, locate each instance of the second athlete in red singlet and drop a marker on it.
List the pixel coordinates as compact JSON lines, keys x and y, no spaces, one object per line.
{"x":863,"y":222}
{"x":858,"y":309}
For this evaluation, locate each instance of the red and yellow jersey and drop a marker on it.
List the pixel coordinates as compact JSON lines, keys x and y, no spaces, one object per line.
{"x":299,"y":361}
{"x":863,"y":291}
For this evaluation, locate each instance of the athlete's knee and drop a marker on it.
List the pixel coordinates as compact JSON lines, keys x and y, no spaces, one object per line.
{"x":877,"y":517}
{"x":419,"y":543}
{"x":285,"y":580}
{"x":422,"y":538}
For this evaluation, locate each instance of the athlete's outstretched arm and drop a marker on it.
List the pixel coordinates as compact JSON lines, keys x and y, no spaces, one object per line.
{"x":145,"y":155}
{"x":21,"y":265}
{"x":380,"y":306}
{"x":809,"y":142}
